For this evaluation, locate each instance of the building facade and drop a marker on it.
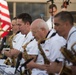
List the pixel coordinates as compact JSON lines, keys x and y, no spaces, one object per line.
{"x":38,"y":8}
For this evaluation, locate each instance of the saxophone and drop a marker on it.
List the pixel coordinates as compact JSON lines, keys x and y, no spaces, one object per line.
{"x":7,"y":61}
{"x":26,"y":56}
{"x":70,"y":56}
{"x":65,"y":70}
{"x":73,"y":50}
{"x":46,"y":61}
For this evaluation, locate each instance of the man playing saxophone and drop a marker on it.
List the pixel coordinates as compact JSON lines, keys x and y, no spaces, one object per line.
{"x":50,"y":45}
{"x":24,"y":22}
{"x":15,"y":38}
{"x":64,"y":25}
{"x":13,"y":41}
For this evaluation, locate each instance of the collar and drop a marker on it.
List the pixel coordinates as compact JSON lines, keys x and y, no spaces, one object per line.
{"x":17,"y":32}
{"x":47,"y":34}
{"x":53,"y":33}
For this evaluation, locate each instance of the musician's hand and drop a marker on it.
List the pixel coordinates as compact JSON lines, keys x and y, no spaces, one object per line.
{"x":53,"y":67}
{"x":11,"y":52}
{"x":3,"y":51}
{"x":73,"y":68}
{"x":32,"y":65}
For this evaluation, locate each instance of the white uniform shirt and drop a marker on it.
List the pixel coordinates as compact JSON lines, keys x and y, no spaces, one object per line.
{"x":71,"y":38}
{"x":18,"y":41}
{"x":51,"y":48}
{"x":50,"y":22}
{"x":27,"y":38}
{"x":32,"y":48}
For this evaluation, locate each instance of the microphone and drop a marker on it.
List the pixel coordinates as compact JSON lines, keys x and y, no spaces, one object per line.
{"x":18,"y":61}
{"x":24,"y":64}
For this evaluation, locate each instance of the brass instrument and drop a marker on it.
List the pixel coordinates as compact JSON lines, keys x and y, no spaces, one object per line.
{"x":70,"y":56}
{"x":7,"y":61}
{"x":46,"y":61}
{"x":13,"y":62}
{"x":65,"y":70}
{"x":26,"y":56}
{"x":73,"y":50}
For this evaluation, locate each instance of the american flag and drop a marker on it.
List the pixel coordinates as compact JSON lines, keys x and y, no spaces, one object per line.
{"x":5,"y":21}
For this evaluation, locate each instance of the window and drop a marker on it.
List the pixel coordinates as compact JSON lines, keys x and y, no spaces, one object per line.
{"x":10,"y":6}
{"x":36,"y":10}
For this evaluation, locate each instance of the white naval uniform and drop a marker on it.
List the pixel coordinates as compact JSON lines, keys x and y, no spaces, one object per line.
{"x":51,"y":48}
{"x":50,"y":22}
{"x":28,"y":37}
{"x":32,"y":49}
{"x":71,"y":39}
{"x":18,"y":41}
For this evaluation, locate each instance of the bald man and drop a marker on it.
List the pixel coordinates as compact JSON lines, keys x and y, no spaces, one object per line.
{"x":51,"y":47}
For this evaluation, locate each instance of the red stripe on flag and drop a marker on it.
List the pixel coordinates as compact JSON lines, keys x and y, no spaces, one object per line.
{"x":3,"y":6}
{"x":5,"y":22}
{"x":4,"y":34}
{"x":4,"y":14}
